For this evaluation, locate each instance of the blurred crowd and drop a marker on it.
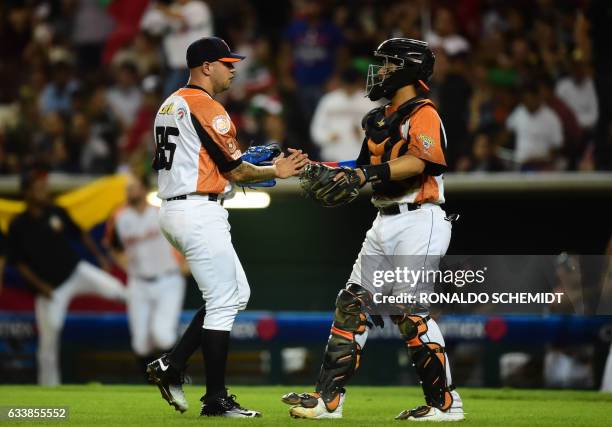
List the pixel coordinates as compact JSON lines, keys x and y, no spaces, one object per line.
{"x":521,"y":85}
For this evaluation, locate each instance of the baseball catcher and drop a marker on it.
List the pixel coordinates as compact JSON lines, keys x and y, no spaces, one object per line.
{"x":403,"y":158}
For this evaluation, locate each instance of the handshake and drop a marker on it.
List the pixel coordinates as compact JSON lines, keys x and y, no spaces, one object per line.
{"x":268,"y":155}
{"x":328,"y":186}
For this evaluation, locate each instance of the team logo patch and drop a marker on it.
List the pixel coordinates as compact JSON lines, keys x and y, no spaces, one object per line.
{"x":426,"y":141}
{"x":167,"y":109}
{"x":231,"y":146}
{"x":180,"y":113}
{"x":221,"y":124}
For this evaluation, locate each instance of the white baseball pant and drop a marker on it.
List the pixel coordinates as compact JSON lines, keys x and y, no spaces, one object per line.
{"x":154,"y":310}
{"x":199,"y":229}
{"x":422,"y":232}
{"x":51,"y":314}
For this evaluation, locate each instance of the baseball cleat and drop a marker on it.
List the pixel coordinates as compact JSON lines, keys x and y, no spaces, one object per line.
{"x":312,"y":406}
{"x":429,"y":413}
{"x":223,"y":405}
{"x":169,"y":381}
{"x":307,"y":400}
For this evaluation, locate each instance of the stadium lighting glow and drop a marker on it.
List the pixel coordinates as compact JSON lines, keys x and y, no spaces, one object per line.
{"x":153,"y":199}
{"x":248,"y":200}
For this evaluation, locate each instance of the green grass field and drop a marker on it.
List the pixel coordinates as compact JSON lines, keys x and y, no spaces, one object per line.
{"x":365,"y":406}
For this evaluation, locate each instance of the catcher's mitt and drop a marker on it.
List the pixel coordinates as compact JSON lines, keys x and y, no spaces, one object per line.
{"x":318,"y":183}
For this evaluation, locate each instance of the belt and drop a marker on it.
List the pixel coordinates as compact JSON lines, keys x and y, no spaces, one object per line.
{"x":211,"y":197}
{"x":396,"y":208}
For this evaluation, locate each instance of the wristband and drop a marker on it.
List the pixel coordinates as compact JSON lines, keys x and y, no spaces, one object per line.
{"x":377,"y":173}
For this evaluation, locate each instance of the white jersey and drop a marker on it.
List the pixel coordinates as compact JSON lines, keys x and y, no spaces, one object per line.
{"x":138,"y":234}
{"x":195,"y":143}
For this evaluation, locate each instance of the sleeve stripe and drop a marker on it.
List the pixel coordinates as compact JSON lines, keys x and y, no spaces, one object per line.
{"x":213,"y":149}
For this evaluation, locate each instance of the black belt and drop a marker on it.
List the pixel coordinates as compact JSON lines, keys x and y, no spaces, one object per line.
{"x":211,"y":197}
{"x":395,"y":209}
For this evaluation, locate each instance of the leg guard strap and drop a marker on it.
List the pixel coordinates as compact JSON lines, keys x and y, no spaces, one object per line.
{"x":343,"y":352}
{"x":429,"y":359}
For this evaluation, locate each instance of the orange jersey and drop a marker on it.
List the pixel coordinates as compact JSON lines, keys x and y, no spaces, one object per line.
{"x":195,"y":143}
{"x":416,"y":129}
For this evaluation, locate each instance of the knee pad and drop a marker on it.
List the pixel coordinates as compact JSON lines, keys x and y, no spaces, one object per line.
{"x":343,"y":351}
{"x":429,"y":359}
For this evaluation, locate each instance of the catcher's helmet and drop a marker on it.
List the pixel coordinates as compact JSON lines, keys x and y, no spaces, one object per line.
{"x":406,"y":62}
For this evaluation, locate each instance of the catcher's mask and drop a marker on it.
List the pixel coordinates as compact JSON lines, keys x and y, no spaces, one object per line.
{"x":405,"y":62}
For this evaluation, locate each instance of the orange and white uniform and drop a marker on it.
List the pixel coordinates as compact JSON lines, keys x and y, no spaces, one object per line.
{"x":196,"y":141}
{"x":195,"y":144}
{"x":411,"y":225}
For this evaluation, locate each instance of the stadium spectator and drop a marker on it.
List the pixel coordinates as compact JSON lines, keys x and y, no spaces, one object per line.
{"x":91,"y":27}
{"x":125,"y":96}
{"x":484,"y":156}
{"x":310,"y":54}
{"x":267,"y":112}
{"x":444,"y":36}
{"x":578,"y":91}
{"x":453,"y":94}
{"x":47,"y":43}
{"x":139,"y":135}
{"x":573,"y":145}
{"x":104,"y":135}
{"x":179,"y":23}
{"x":57,"y":94}
{"x":39,"y":245}
{"x":16,"y":34}
{"x":336,"y":125}
{"x":51,"y":144}
{"x":538,"y":132}
{"x":143,"y":52}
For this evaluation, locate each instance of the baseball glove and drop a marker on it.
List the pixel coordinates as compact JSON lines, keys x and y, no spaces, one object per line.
{"x":318,"y":183}
{"x":261,"y":155}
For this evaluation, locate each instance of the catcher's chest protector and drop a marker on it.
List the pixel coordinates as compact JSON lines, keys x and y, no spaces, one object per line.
{"x":386,"y":142}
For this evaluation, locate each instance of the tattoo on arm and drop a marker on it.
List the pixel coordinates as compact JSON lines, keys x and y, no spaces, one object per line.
{"x":247,"y":172}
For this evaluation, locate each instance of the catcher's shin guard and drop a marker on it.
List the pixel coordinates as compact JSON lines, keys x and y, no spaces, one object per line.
{"x":429,"y":359}
{"x":343,"y":350}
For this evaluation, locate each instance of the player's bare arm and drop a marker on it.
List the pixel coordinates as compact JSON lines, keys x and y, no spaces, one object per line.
{"x":283,"y":167}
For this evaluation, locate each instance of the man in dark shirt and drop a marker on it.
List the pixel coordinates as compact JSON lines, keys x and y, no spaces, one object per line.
{"x":39,"y":246}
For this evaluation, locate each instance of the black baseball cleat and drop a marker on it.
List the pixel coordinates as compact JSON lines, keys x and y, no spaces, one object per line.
{"x":222,"y":405}
{"x":169,"y":381}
